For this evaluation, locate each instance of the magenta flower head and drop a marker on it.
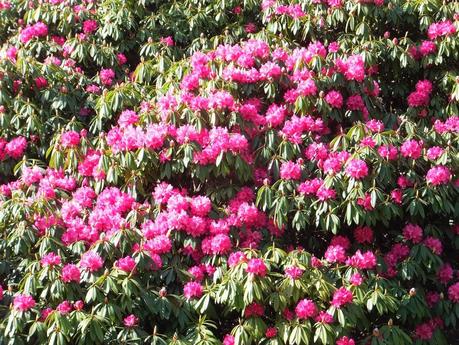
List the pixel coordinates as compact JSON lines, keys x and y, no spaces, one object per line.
{"x":256,"y":267}
{"x":192,"y":290}
{"x":131,"y":321}
{"x":341,"y":297}
{"x":305,"y":309}
{"x":91,"y":261}
{"x":23,"y":302}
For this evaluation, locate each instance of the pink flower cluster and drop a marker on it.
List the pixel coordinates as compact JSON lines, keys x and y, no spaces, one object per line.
{"x":341,"y":297}
{"x":89,"y":26}
{"x":356,"y":168}
{"x":438,"y":175}
{"x":106,"y":76}
{"x":440,"y":29}
{"x":23,"y":302}
{"x":353,"y":67}
{"x":15,"y":148}
{"x":305,"y":309}
{"x":256,"y":267}
{"x":38,"y":29}
{"x":192,"y":290}
{"x":421,"y":96}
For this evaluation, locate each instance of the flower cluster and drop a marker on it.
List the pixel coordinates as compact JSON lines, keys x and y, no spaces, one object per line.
{"x":240,"y":176}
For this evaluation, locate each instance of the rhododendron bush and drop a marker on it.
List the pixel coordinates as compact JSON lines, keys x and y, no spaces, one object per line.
{"x":229,"y":172}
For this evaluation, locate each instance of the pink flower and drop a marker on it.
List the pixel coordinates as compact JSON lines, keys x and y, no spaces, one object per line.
{"x":453,"y":293}
{"x":411,"y":149}
{"x":50,"y":259}
{"x":434,"y":152}
{"x":293,"y":272}
{"x":228,"y":340}
{"x":288,"y":314}
{"x":342,"y":241}
{"x":418,"y":99}
{"x":445,"y":273}
{"x":305,"y":309}
{"x":220,"y":244}
{"x":70,"y":272}
{"x":341,"y":297}
{"x":126,"y":264}
{"x":356,"y":279}
{"x":23,"y":302}
{"x":324,"y":317}
{"x":271,"y":332}
{"x":413,"y":232}
{"x":16,"y":147}
{"x":353,"y":67}
{"x":41,"y":82}
{"x":91,"y":261}
{"x":290,"y":171}
{"x":236,"y":258}
{"x":355,"y":102}
{"x":427,"y":47}
{"x":376,"y":126}
{"x":106,"y":76}
{"x":424,"y":331}
{"x":254,"y":309}
{"x":131,"y":321}
{"x":167,"y":41}
{"x":64,"y":308}
{"x":309,"y":187}
{"x":345,"y":341}
{"x":438,"y":175}
{"x":45,"y":313}
{"x":335,"y":99}
{"x":161,"y":244}
{"x":11,"y":53}
{"x":121,"y":58}
{"x":1,"y":293}
{"x":424,"y":86}
{"x":432,"y":298}
{"x":357,"y":168}
{"x":404,"y":182}
{"x":192,"y":290}
{"x":270,"y":70}
{"x":89,"y":26}
{"x":335,"y":254}
{"x":389,"y":152}
{"x":335,"y":3}
{"x":333,"y":47}
{"x":361,"y":260}
{"x":38,"y":29}
{"x":332,"y":165}
{"x":324,"y":193}
{"x":363,"y":234}
{"x":368,"y":142}
{"x":250,"y":28}
{"x":128,"y":117}
{"x":200,"y":206}
{"x":256,"y":267}
{"x":70,"y":139}
{"x":396,"y":195}
{"x":444,"y":28}
{"x":434,"y":244}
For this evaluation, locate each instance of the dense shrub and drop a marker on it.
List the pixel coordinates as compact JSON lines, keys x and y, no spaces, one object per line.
{"x":270,"y":173}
